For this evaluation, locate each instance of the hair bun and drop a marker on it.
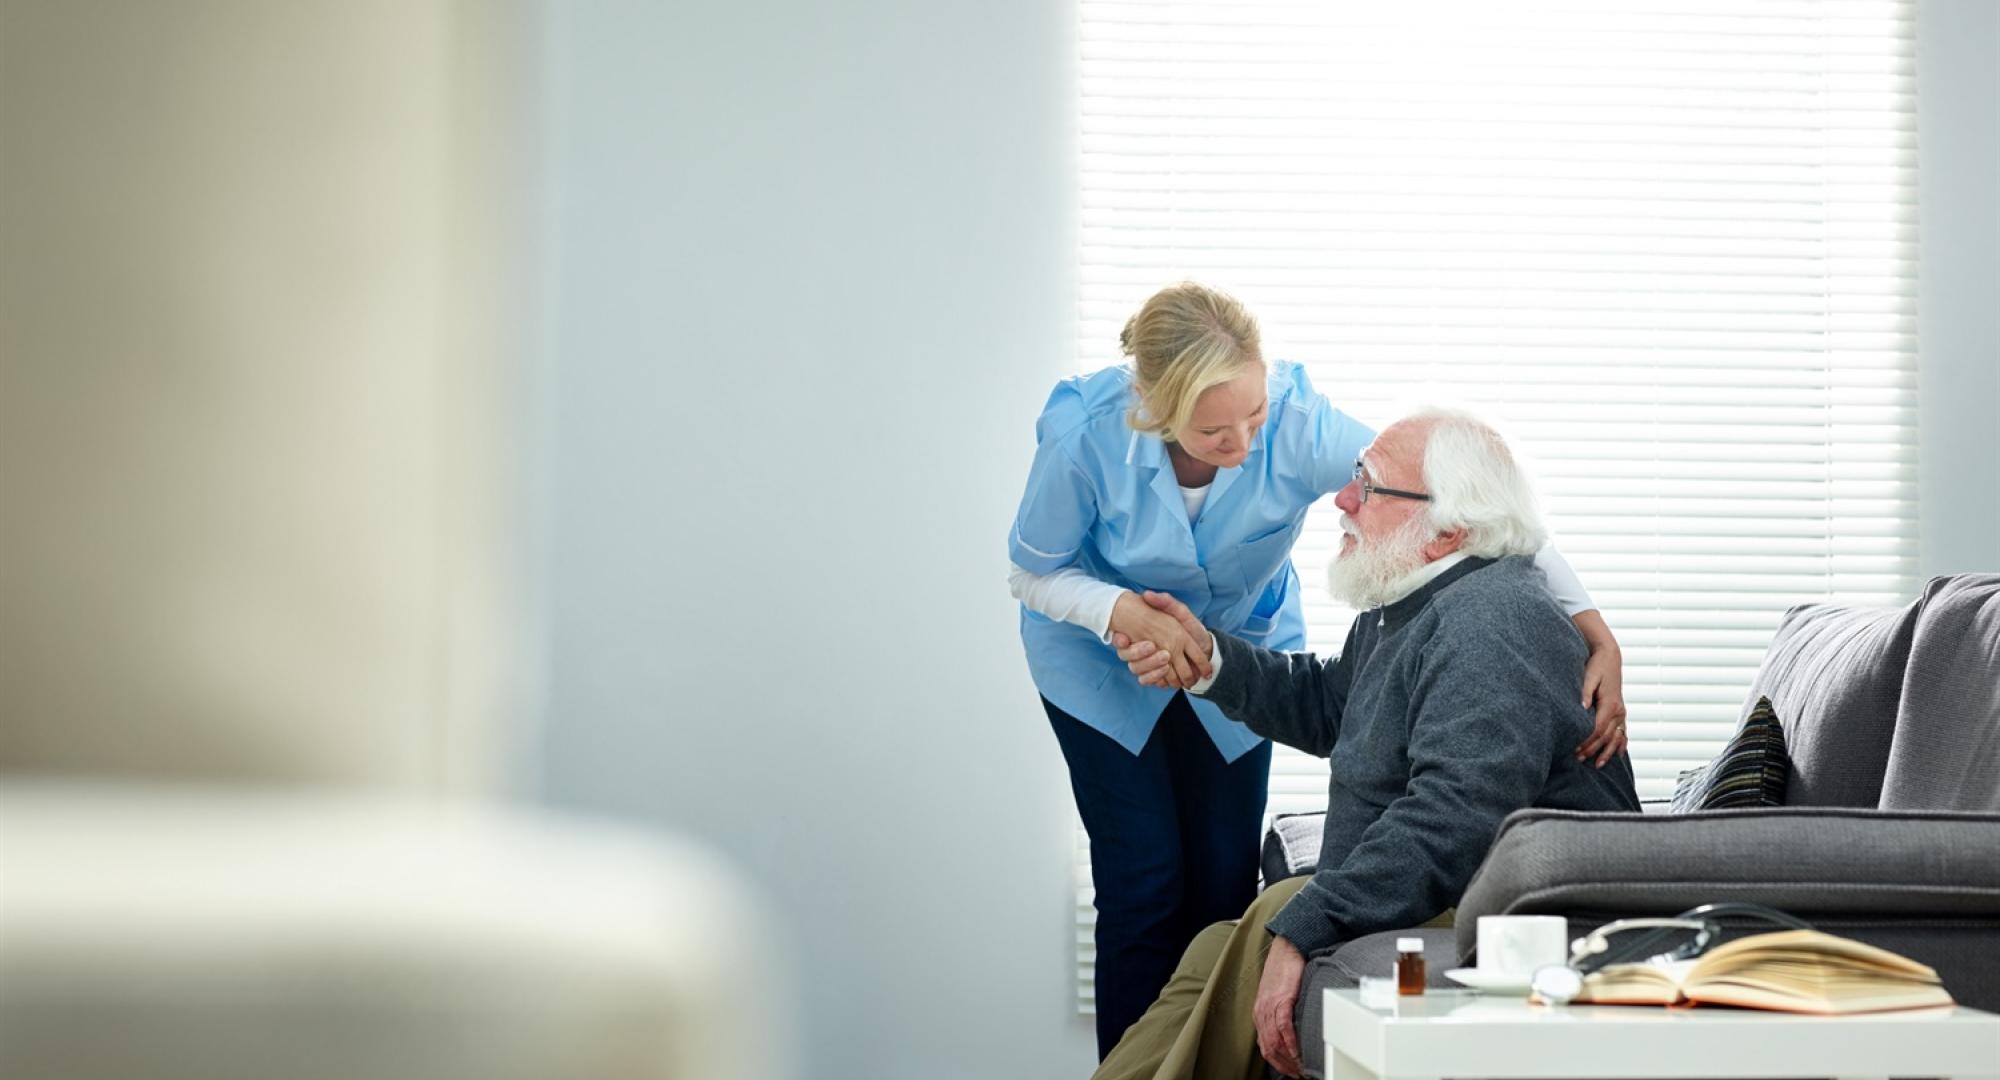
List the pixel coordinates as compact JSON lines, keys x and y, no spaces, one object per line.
{"x":1125,"y":335}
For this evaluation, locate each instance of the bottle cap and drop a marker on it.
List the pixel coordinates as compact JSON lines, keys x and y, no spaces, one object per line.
{"x":1409,"y":944}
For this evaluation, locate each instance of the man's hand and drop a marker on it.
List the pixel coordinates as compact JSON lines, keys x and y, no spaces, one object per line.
{"x":1160,"y":629}
{"x":1277,"y":993}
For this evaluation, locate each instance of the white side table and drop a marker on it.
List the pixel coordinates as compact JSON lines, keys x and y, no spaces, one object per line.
{"x":1463,"y":1035}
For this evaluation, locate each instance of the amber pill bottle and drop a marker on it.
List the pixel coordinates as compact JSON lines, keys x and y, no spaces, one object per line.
{"x":1410,"y":965}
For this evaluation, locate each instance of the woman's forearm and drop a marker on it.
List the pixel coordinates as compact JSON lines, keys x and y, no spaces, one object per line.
{"x":1596,"y":632}
{"x":1068,"y":595}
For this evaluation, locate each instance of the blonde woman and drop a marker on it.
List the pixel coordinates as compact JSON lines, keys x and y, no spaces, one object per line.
{"x":1188,"y":471}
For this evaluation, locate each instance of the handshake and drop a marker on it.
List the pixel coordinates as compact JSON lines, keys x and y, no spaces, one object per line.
{"x":1161,"y":640}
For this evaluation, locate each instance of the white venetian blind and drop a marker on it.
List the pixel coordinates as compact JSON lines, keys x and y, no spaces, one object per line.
{"x":1670,"y":247}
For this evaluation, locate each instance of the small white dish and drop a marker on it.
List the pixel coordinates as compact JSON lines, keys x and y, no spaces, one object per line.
{"x":1377,"y":992}
{"x":1491,"y":982}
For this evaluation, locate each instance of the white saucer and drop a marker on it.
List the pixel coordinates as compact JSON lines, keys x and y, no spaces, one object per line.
{"x":1491,"y":982}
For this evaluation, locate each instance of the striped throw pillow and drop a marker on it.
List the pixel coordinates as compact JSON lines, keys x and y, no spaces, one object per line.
{"x":1750,"y":771}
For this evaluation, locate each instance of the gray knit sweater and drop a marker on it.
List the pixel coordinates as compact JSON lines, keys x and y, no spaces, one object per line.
{"x":1444,"y":712}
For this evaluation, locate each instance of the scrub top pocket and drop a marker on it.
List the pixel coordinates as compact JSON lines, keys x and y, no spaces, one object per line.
{"x":1261,"y":559}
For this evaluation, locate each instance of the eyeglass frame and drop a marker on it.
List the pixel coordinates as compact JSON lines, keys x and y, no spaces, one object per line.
{"x":1368,"y":486}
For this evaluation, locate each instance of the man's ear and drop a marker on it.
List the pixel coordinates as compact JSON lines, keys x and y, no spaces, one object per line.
{"x":1444,"y":544}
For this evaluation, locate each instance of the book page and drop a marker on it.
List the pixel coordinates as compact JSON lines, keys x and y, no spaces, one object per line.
{"x":1808,"y":948}
{"x":1643,"y":983}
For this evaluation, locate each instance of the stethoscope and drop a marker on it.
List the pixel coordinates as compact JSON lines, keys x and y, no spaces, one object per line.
{"x":1557,"y":984}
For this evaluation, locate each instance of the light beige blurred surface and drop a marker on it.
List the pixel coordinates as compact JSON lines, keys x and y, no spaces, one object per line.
{"x":210,"y":935}
{"x":248,"y":385}
{"x":253,"y":614}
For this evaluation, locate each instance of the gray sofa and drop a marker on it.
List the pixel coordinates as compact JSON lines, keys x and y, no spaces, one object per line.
{"x":1889,"y":832}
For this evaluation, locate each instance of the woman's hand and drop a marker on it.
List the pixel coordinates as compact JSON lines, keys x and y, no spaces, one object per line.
{"x":1603,"y":688}
{"x":1160,"y":640}
{"x":1150,"y":664}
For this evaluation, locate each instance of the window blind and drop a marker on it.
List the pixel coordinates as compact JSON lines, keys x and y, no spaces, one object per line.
{"x":1669,"y":247}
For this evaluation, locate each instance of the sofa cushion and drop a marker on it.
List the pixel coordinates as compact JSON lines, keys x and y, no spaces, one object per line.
{"x":1921,"y":865}
{"x":1835,"y":674}
{"x":1291,"y":846}
{"x":1946,"y":751}
{"x":1750,"y":771}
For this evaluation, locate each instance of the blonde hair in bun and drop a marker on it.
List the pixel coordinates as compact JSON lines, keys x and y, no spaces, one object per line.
{"x":1185,"y":339}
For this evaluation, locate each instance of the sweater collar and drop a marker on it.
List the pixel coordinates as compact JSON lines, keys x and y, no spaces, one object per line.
{"x":1392,"y":617}
{"x":1423,"y":575}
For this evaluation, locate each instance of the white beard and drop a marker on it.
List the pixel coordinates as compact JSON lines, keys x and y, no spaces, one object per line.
{"x":1369,"y":575}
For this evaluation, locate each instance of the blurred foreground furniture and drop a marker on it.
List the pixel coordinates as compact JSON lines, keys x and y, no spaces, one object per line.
{"x":172,"y":933}
{"x":1890,"y":832}
{"x":258,"y":615}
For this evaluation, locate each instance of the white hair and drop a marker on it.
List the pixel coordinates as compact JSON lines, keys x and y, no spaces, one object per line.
{"x":1476,"y":485}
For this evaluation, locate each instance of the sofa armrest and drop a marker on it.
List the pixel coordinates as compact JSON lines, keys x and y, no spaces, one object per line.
{"x":1820,"y":863}
{"x":1291,"y":846}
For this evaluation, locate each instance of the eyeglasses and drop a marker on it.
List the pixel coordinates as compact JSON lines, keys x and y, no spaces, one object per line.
{"x":1368,"y":487}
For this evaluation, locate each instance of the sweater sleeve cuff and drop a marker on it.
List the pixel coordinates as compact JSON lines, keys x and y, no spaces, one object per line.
{"x":1221,"y":653}
{"x":1214,"y":666}
{"x":1303,"y":921}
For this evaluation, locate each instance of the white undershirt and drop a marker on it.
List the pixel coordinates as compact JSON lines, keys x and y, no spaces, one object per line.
{"x":1422,"y":576}
{"x":1194,"y":497}
{"x":1068,"y":595}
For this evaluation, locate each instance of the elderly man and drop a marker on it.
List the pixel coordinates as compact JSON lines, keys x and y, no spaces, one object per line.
{"x":1455,"y":701}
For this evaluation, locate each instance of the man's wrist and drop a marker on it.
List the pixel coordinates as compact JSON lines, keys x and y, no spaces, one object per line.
{"x":1203,"y":684}
{"x":1285,"y":949}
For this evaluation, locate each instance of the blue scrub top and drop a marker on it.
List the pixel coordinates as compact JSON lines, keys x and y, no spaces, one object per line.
{"x":1103,"y":498}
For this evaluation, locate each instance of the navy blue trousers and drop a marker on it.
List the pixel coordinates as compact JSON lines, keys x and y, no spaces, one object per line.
{"x":1173,"y":847}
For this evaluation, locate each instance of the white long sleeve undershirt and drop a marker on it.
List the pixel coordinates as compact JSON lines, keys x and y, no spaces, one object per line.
{"x":1068,"y":595}
{"x":1072,"y":596}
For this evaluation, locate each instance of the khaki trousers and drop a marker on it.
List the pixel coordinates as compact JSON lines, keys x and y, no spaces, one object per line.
{"x":1200,"y":1028}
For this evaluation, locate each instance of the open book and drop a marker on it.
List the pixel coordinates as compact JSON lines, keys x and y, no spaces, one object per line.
{"x":1792,"y":970}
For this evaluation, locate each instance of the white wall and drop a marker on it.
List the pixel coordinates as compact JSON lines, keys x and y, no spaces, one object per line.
{"x":1958,"y":314}
{"x":809,"y":278}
